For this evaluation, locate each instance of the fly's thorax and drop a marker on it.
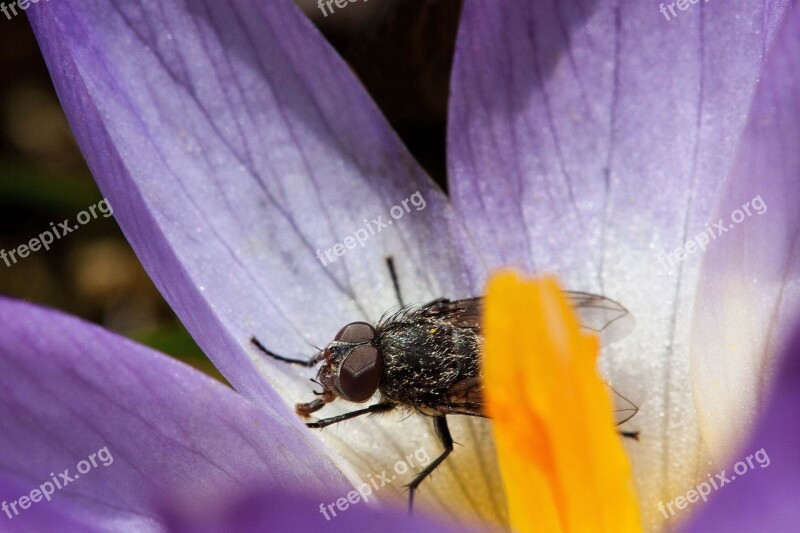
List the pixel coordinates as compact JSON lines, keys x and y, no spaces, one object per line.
{"x":423,"y":358}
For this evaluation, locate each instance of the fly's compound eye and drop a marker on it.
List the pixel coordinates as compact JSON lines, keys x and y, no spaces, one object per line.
{"x":360,"y":373}
{"x":356,"y":333}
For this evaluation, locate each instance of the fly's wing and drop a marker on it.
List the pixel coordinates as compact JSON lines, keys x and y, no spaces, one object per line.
{"x":464,"y":313}
{"x":601,"y":315}
{"x":465,"y":398}
{"x":624,"y":409}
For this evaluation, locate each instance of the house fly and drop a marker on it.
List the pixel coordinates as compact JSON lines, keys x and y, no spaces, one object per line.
{"x":425,"y":359}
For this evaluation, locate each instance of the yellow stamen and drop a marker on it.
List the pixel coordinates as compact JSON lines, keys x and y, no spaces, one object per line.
{"x":561,"y":459}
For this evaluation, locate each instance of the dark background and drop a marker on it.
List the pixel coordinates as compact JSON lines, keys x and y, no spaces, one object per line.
{"x":401,"y":50}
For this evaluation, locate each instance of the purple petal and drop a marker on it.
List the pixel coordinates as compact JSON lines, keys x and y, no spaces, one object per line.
{"x":750,"y":285}
{"x":233,"y":144}
{"x":576,"y":126}
{"x":266,"y":510}
{"x":765,"y":496}
{"x":71,"y":390}
{"x":590,"y":139}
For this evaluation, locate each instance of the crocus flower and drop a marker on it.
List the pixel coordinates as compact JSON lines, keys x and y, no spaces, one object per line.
{"x":591,"y":140}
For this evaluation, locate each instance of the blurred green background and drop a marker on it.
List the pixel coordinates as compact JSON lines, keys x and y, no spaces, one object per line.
{"x":401,"y":50}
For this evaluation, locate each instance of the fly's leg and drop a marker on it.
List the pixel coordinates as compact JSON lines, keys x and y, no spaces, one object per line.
{"x":443,"y":432}
{"x":630,"y":434}
{"x":375,"y":408}
{"x":302,"y":362}
{"x":302,"y":409}
{"x":395,"y":280}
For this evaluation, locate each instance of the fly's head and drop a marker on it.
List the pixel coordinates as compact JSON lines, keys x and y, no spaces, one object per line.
{"x":351,"y":368}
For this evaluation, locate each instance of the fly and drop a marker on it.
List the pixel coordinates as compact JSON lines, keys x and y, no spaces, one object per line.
{"x":425,"y":359}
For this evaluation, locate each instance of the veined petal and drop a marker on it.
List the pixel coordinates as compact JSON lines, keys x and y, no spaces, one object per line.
{"x":71,"y":389}
{"x":591,"y":139}
{"x":234,"y":145}
{"x":749,"y":290}
{"x":563,"y":465}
